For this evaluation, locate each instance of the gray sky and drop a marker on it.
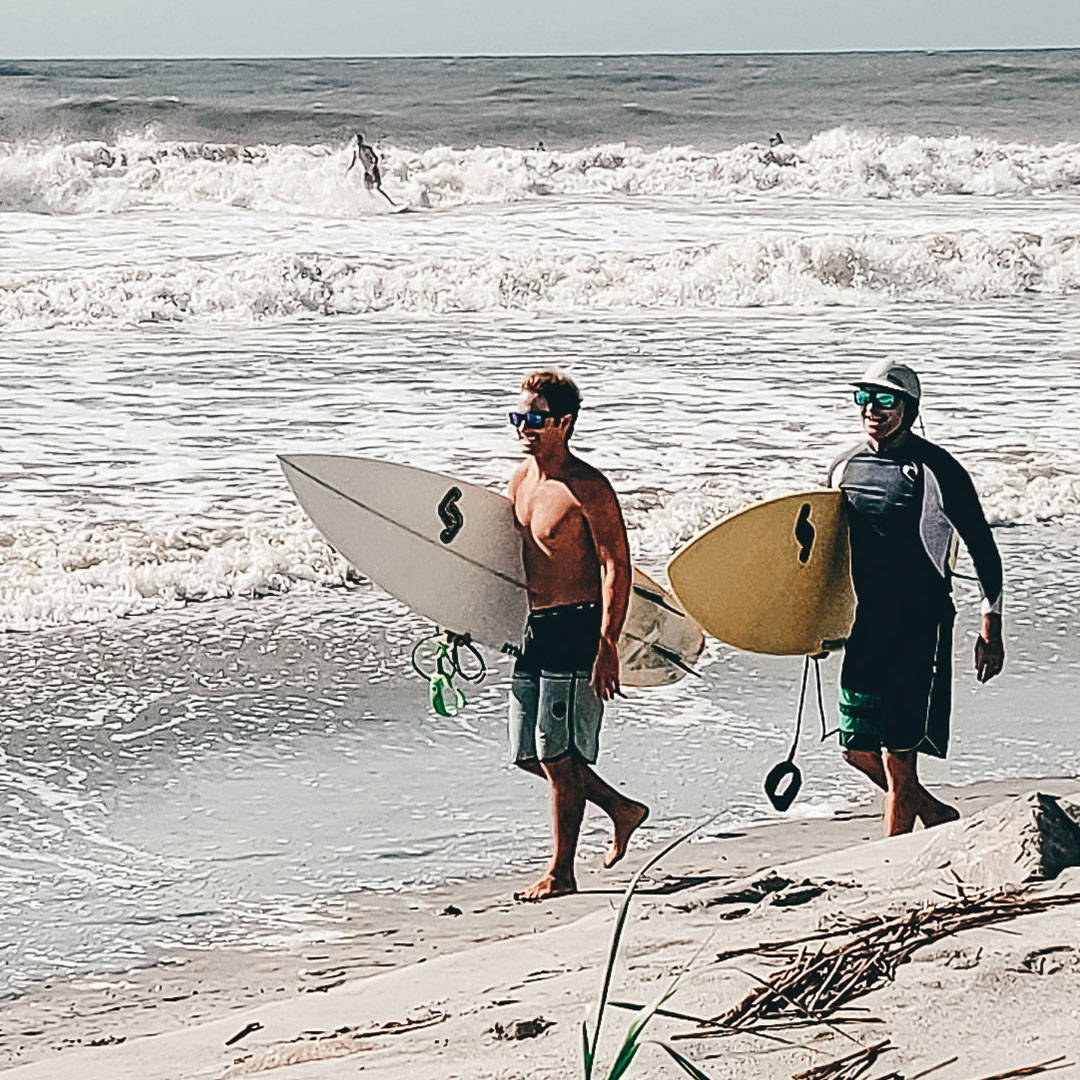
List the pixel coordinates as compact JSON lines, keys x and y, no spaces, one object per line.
{"x":115,"y":28}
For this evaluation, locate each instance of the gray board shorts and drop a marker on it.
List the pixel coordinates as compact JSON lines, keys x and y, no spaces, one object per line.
{"x":554,"y":710}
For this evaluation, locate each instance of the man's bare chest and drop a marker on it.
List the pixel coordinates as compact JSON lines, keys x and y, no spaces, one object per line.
{"x":548,"y":512}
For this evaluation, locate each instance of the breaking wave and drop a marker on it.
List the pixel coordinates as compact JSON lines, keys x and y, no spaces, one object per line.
{"x":135,"y":172}
{"x":740,"y":271}
{"x":57,"y":575}
{"x":1023,"y":494}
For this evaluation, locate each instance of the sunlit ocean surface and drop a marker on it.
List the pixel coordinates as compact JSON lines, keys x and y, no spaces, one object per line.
{"x":209,"y":727}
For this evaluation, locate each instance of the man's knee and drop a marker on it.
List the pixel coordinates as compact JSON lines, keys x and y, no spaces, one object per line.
{"x":564,"y":767}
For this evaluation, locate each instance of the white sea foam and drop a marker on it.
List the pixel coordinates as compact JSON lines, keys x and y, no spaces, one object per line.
{"x":139,"y":171}
{"x":741,"y":271}
{"x":1018,"y":495}
{"x":56,"y":575}
{"x":1022,"y":496}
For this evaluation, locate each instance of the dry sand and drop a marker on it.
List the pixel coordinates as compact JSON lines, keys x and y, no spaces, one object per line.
{"x":996,"y":997}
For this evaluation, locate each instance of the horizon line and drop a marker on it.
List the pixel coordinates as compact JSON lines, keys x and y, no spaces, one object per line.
{"x":854,"y":51}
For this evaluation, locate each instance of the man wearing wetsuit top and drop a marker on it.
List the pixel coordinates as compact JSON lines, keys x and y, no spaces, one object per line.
{"x":577,"y":571}
{"x":364,"y":155}
{"x":906,"y":501}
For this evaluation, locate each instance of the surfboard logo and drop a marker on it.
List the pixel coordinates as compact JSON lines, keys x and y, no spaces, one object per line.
{"x":805,"y":533}
{"x":450,"y":515}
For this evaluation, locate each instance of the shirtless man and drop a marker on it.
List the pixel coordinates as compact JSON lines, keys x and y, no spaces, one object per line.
{"x":369,"y":162}
{"x":577,"y":569}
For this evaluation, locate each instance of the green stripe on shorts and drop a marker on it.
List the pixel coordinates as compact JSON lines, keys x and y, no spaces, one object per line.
{"x":860,"y":713}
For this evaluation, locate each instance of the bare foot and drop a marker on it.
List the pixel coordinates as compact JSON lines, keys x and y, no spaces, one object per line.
{"x":937,"y":813}
{"x":626,"y":822}
{"x":547,"y":888}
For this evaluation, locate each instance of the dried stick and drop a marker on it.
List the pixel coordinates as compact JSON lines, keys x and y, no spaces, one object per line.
{"x":864,"y":1056}
{"x":1031,"y":1070}
{"x":817,"y":985}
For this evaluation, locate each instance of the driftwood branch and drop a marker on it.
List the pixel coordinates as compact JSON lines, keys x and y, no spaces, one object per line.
{"x":817,"y":984}
{"x":1031,"y":1070}
{"x":848,"y":1067}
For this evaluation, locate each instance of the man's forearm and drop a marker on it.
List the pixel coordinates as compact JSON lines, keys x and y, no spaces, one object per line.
{"x":614,"y":600}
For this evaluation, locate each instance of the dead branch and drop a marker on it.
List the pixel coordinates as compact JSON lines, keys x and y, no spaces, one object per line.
{"x":1031,"y":1070}
{"x":818,"y":984}
{"x":849,"y":1066}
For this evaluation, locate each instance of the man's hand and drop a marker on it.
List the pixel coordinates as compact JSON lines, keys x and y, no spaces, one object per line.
{"x":989,"y":649}
{"x":605,"y":672}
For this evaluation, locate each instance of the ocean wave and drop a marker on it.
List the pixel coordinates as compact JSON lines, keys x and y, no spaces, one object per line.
{"x":134,"y":172}
{"x":57,"y":575}
{"x":1027,"y":494}
{"x":1031,"y":493}
{"x":743,"y":271}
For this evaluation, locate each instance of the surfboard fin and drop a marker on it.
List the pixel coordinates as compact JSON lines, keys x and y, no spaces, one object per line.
{"x":676,"y":659}
{"x":658,"y":600}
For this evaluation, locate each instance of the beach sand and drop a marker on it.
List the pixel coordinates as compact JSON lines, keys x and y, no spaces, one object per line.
{"x":463,"y":964}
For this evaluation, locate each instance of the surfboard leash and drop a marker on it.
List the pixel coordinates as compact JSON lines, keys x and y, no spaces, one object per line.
{"x":787,"y":769}
{"x":446,"y":666}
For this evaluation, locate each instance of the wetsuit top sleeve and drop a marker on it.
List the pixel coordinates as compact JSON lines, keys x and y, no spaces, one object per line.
{"x":835,"y":471}
{"x":960,"y":504}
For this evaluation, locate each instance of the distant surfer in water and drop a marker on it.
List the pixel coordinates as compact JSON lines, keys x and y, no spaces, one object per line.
{"x":906,"y":500}
{"x":365,"y":154}
{"x":779,"y":153}
{"x":578,"y":574}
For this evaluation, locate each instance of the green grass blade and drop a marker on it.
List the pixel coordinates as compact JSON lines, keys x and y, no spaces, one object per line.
{"x":646,"y":1014}
{"x":622,"y":1062}
{"x":620,"y":922}
{"x":649,"y":1012}
{"x":687,"y":1067}
{"x":630,"y":1044}
{"x":586,"y":1053}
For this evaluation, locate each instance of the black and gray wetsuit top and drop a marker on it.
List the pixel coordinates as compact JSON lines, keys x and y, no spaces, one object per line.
{"x":906,"y":506}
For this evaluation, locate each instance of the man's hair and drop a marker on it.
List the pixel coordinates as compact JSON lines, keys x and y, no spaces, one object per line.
{"x":558,"y":390}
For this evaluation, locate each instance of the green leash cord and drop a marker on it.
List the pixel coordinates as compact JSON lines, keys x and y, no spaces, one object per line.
{"x":446,"y":698}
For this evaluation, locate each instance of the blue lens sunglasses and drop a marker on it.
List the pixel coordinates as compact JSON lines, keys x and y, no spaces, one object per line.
{"x":535,"y":419}
{"x":883,"y":399}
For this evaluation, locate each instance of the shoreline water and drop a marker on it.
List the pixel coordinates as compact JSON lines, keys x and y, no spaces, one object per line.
{"x":214,"y":774}
{"x":373,"y":934}
{"x":190,"y":283}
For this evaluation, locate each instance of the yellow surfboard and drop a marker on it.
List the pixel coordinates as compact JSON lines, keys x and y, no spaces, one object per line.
{"x":772,"y":578}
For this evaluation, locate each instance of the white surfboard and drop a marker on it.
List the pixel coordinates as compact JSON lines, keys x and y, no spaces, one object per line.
{"x":450,"y":551}
{"x":772,"y":578}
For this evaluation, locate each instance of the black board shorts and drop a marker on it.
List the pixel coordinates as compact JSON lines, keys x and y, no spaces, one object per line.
{"x":554,"y":710}
{"x":896,"y":681}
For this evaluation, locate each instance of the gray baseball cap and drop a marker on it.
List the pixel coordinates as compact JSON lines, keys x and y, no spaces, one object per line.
{"x":885,"y":375}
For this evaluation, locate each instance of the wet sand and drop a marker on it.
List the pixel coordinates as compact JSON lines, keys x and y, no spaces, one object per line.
{"x":350,"y":970}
